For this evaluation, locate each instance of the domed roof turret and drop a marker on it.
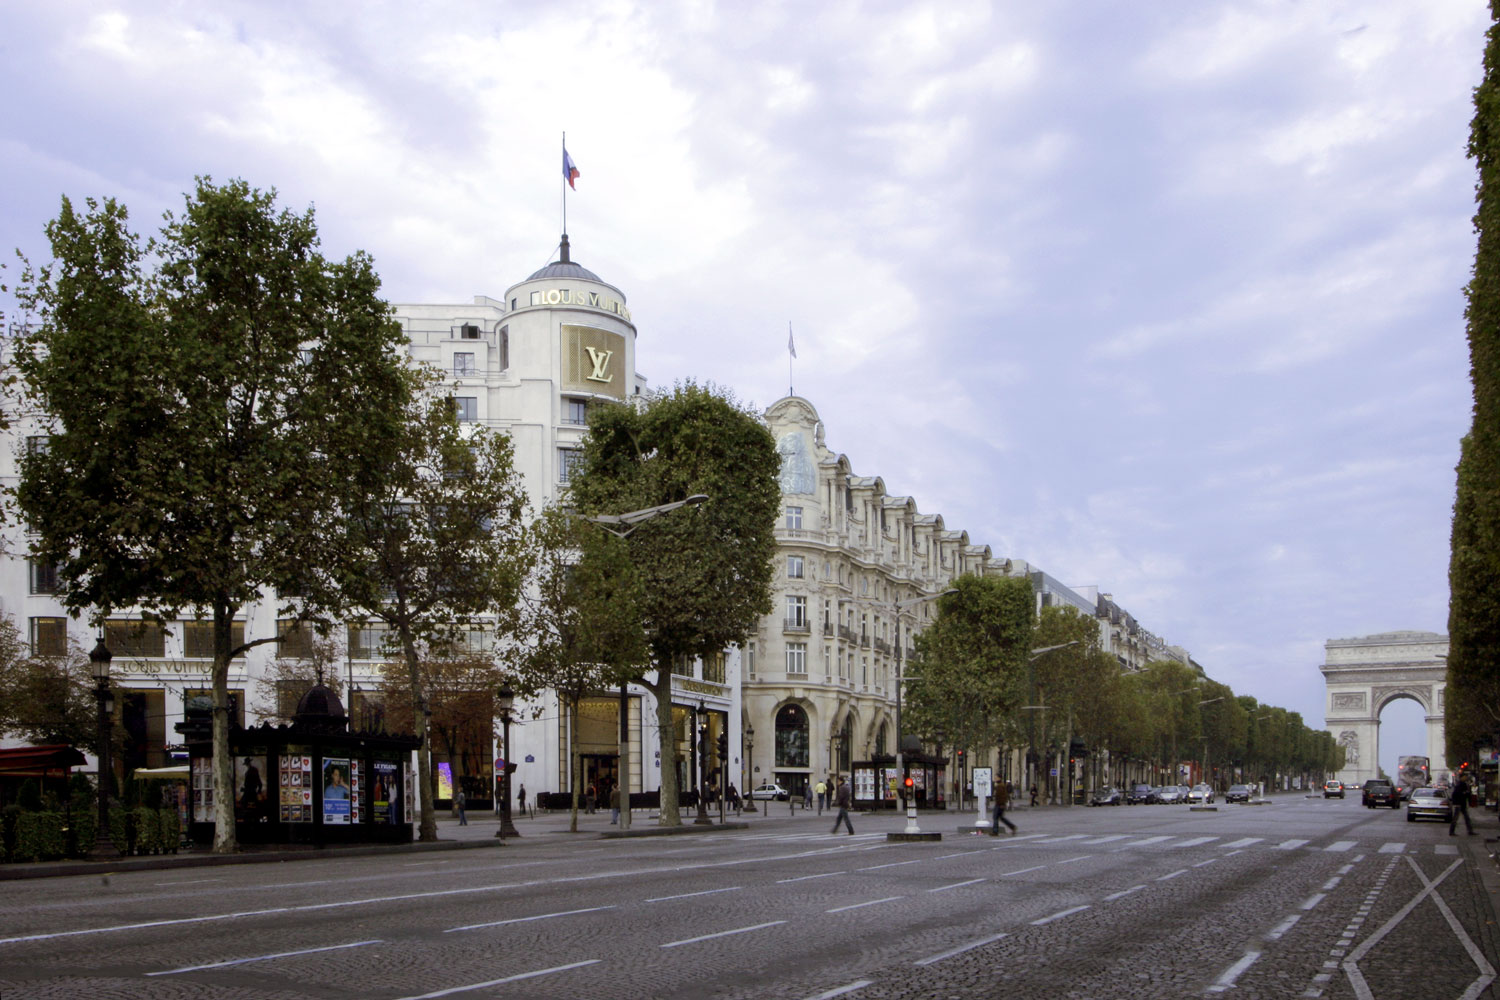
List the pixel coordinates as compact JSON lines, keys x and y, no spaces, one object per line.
{"x":564,"y":267}
{"x":320,"y":709}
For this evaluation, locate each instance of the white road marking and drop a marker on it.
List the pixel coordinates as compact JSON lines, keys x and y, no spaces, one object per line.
{"x":1392,"y":848}
{"x":1244,"y":842}
{"x":1332,"y":883}
{"x":264,"y":958}
{"x":1346,"y":869}
{"x":685,"y":895}
{"x":1123,"y":893}
{"x":955,"y":885}
{"x":1276,"y":932}
{"x":1081,"y":857}
{"x":1107,"y":839}
{"x":1180,"y":871}
{"x":804,"y":878}
{"x":1228,"y":976}
{"x":1208,"y":862}
{"x":960,"y":854}
{"x":191,"y":881}
{"x":856,"y":906}
{"x":1289,"y":845}
{"x":1066,"y":836}
{"x":1341,"y":845}
{"x":839,"y":991}
{"x":1059,"y":915}
{"x":1313,"y":900}
{"x":891,"y":864}
{"x":1021,"y":871}
{"x":710,"y":937}
{"x":930,"y":959}
{"x":526,"y":920}
{"x":1148,"y":840}
{"x":1195,"y":841}
{"x":1486,"y":971}
{"x":508,"y":979}
{"x":1449,"y":849}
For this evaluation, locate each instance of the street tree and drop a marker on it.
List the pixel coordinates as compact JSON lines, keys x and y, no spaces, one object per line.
{"x":436,"y":549}
{"x":705,"y":572}
{"x":1472,"y":698}
{"x":46,"y":698}
{"x":583,"y":622}
{"x":962,"y":680}
{"x":209,"y":398}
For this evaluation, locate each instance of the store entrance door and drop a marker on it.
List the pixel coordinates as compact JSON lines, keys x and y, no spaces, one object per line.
{"x":600,"y":772}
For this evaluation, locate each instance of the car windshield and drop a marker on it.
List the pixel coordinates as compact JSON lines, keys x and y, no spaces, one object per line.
{"x":1239,"y":788}
{"x":1425,"y":793}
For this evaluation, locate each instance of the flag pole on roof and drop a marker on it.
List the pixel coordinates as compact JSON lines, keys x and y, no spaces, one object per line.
{"x":791,"y":350}
{"x":570,"y":173}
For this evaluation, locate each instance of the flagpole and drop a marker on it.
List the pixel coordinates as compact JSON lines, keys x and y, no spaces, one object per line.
{"x":790,"y":354}
{"x":565,"y":184}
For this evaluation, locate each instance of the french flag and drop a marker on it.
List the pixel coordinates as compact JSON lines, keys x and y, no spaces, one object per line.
{"x":570,"y":170}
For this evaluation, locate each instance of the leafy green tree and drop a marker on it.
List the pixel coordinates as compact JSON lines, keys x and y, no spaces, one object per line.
{"x":583,"y":621}
{"x":961,"y":681}
{"x":706,"y":571}
{"x":436,"y":545}
{"x":1472,"y":701}
{"x":46,"y":699}
{"x":211,"y":397}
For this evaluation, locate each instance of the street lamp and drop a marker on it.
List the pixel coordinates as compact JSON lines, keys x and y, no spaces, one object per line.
{"x":507,"y":700}
{"x":749,"y":780}
{"x":700,"y":751}
{"x":911,"y":797}
{"x":99,"y":657}
{"x":621,"y":526}
{"x":1031,"y":753}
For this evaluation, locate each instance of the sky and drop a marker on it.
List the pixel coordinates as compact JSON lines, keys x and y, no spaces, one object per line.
{"x":1163,"y":298}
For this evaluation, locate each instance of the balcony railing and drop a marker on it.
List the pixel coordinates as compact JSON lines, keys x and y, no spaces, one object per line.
{"x":795,"y":625}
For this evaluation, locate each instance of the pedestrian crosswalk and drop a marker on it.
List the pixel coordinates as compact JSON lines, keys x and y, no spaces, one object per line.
{"x":1043,"y":839}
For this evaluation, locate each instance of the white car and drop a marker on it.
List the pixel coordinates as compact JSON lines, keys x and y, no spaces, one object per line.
{"x":768,"y":791}
{"x":1201,"y":794}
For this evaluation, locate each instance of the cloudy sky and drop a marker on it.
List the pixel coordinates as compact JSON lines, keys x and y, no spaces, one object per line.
{"x":1164,"y":298}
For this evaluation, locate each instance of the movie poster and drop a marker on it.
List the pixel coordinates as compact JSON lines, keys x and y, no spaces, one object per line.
{"x":336,"y":790}
{"x":295,"y":772}
{"x":250,"y":804}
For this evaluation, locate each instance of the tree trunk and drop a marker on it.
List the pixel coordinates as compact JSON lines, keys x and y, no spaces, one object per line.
{"x":575,"y":761}
{"x":427,"y":829}
{"x":225,"y":841}
{"x":662,"y":689}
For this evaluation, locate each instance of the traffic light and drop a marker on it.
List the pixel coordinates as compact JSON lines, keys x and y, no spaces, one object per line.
{"x":960,"y":760}
{"x":909,"y":782}
{"x":723,"y":746}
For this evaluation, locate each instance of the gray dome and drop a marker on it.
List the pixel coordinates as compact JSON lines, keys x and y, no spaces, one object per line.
{"x":320,"y":702}
{"x":566,"y":269}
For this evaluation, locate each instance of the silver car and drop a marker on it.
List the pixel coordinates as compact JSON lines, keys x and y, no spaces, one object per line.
{"x":1201,"y":794}
{"x":1171,"y":795}
{"x":1426,"y":803}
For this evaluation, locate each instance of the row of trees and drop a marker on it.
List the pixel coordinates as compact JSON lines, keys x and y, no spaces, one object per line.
{"x":224,"y":413}
{"x":992,"y":673}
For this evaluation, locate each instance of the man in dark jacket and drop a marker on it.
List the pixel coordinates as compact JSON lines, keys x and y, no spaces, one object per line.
{"x":843,"y":799}
{"x":1460,"y":801}
{"x":1002,"y":801}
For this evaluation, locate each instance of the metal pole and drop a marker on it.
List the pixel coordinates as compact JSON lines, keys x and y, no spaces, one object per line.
{"x":624,"y":776}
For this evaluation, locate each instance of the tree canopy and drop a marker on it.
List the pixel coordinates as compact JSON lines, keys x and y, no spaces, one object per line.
{"x":705,"y":571}
{"x":209,"y":400}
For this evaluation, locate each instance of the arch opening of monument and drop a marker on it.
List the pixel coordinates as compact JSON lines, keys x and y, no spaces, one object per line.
{"x":1366,"y":675}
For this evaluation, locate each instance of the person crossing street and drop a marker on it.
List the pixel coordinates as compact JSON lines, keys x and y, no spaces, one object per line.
{"x":843,"y":799}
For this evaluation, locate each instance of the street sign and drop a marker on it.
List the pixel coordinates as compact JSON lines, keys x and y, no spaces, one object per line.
{"x":983,"y":776}
{"x":1053,"y":772}
{"x":499,"y":765}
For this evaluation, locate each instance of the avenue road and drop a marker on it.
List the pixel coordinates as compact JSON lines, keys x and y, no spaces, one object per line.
{"x":1299,"y":898}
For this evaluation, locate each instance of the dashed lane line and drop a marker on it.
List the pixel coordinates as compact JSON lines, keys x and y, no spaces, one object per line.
{"x":1023,"y":871}
{"x":1244,"y":842}
{"x":956,"y":885}
{"x":526,"y":920}
{"x":892,"y":864}
{"x":1147,"y":840}
{"x":1123,"y":893}
{"x":507,"y":979}
{"x":1289,"y":845}
{"x":839,"y":991}
{"x":1340,"y":846}
{"x":710,"y":937}
{"x":1228,"y":976}
{"x":264,"y":958}
{"x":930,"y":959}
{"x":857,"y":906}
{"x":1276,"y":933}
{"x":1059,"y":915}
{"x":1170,"y":875}
{"x":1107,"y":839}
{"x":1195,"y":841}
{"x":701,"y":892}
{"x":1081,"y":857}
{"x":1313,"y":900}
{"x":804,"y":878}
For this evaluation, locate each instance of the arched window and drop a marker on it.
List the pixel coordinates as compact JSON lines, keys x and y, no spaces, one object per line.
{"x":791,"y":737}
{"x":844,"y":743}
{"x":880,"y":740}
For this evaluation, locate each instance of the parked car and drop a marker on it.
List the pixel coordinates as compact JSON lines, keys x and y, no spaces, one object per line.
{"x":1237,"y":793}
{"x":768,"y":791}
{"x":1140,"y":795}
{"x":1171,"y":795}
{"x":1107,"y":796}
{"x":1333,"y":789}
{"x":1379,"y":793}
{"x":1200,"y":794}
{"x":1428,"y":802}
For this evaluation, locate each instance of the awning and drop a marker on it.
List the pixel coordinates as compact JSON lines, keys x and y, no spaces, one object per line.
{"x":35,"y":760}
{"x":180,"y":771}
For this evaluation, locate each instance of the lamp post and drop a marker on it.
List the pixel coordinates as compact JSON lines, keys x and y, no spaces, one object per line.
{"x":621,"y":526}
{"x":99,"y":657}
{"x":1033,"y":759}
{"x":749,"y":779}
{"x":911,"y":796}
{"x":507,"y":700}
{"x":700,"y":749}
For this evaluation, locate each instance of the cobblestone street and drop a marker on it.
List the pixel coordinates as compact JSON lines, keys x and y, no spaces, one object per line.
{"x":1299,"y":898}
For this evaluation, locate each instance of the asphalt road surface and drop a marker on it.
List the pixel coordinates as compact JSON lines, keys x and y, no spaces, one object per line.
{"x":1299,"y":898}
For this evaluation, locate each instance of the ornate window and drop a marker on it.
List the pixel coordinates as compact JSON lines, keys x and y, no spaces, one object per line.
{"x":791,"y":737}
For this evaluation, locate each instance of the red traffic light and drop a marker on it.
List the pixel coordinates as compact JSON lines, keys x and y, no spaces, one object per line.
{"x":909,"y":782}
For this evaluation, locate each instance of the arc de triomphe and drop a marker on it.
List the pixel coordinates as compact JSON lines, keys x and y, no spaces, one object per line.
{"x":1366,"y":674}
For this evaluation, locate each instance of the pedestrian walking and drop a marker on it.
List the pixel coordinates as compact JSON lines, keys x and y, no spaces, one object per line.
{"x":1002,"y":800}
{"x":807,"y":796}
{"x":1460,"y":802}
{"x":521,"y":799}
{"x":822,"y":791}
{"x":1033,"y":795}
{"x":589,"y":795}
{"x":614,"y":805}
{"x":843,"y":799}
{"x":458,"y":803}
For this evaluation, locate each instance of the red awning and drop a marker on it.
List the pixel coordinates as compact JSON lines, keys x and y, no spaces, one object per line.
{"x":37,"y":759}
